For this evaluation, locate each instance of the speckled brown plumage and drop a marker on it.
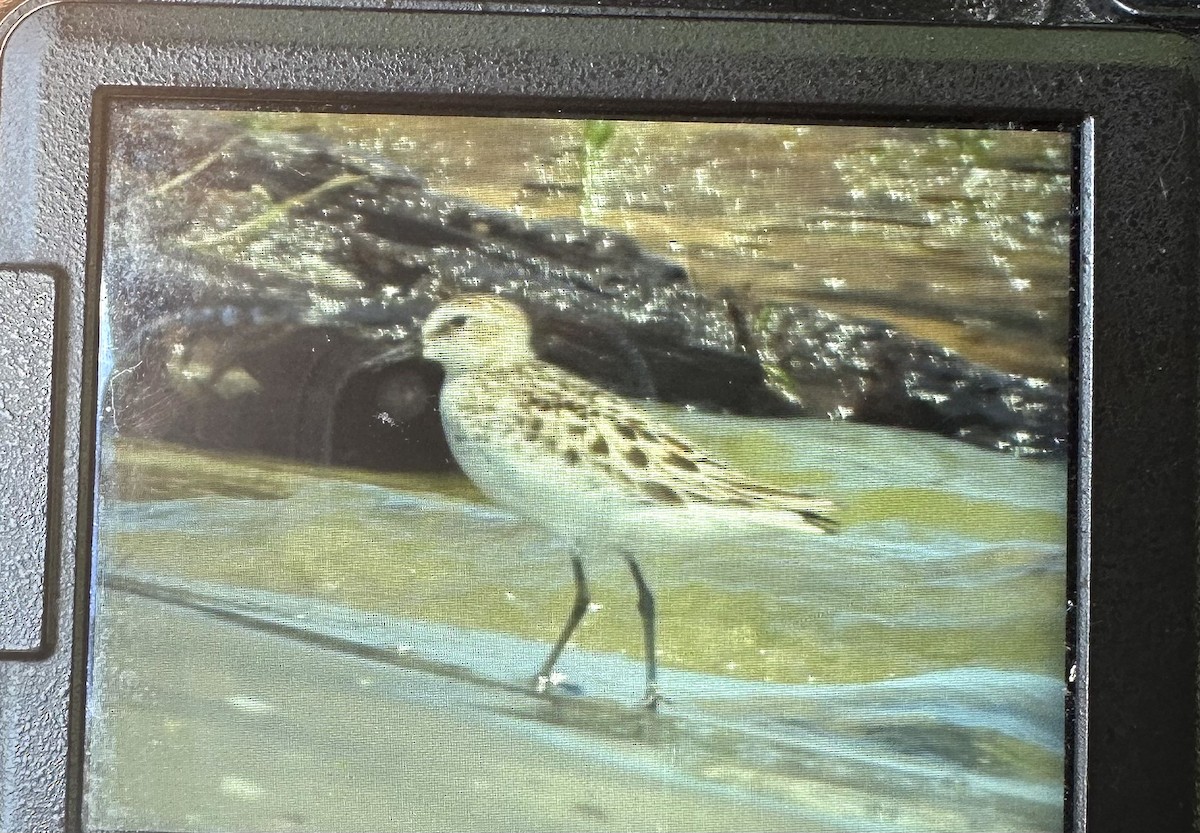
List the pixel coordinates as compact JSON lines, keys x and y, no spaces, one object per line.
{"x":505,"y":406}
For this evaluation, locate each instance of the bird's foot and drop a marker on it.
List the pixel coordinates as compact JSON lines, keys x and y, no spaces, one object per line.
{"x":554,"y":683}
{"x":653,"y":698}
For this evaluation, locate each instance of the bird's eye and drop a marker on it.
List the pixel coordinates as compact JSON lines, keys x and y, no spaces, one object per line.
{"x":458,"y":322}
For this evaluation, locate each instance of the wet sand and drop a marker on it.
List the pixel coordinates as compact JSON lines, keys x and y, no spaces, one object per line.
{"x":219,"y":727}
{"x":253,"y":711}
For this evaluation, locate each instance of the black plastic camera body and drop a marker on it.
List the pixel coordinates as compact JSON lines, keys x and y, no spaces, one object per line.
{"x":1122,"y":81}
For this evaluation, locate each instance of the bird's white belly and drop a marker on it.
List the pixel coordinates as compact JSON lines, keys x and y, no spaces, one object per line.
{"x":526,"y":479}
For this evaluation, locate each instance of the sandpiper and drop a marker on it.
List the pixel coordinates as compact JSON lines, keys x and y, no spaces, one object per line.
{"x":579,"y":460}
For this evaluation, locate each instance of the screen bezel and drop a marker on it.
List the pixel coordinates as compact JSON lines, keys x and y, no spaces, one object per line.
{"x":1127,"y":94}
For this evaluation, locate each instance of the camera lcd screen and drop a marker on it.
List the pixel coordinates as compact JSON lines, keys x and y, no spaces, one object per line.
{"x":517,"y":472}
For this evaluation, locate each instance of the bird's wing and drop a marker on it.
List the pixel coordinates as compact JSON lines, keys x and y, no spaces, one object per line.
{"x":585,"y":425}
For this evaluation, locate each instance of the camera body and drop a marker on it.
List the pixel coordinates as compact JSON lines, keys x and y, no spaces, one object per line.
{"x":1120,"y":81}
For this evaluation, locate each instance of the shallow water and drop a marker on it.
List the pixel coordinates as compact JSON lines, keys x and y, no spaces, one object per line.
{"x":906,"y":673}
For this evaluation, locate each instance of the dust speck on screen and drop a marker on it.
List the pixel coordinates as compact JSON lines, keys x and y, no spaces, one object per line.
{"x":513,"y":473}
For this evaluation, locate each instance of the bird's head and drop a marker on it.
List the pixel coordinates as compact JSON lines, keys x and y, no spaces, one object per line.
{"x":471,"y":332}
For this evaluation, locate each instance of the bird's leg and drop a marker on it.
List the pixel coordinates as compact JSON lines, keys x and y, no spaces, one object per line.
{"x":645,"y":606}
{"x":578,"y":609}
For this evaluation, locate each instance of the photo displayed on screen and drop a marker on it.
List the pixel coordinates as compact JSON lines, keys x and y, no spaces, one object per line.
{"x":508,"y":473}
